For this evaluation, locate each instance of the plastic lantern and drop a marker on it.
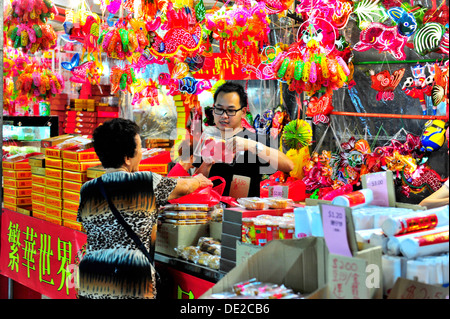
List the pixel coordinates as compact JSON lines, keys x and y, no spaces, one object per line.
{"x":385,"y":83}
{"x":406,"y":22}
{"x":434,"y":136}
{"x":382,"y":38}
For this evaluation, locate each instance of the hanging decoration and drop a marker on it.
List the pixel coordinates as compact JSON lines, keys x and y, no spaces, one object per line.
{"x":86,"y":72}
{"x":312,"y":63}
{"x":385,"y":83}
{"x":147,"y":90}
{"x":242,"y":30}
{"x":439,"y":91}
{"x":296,"y":134}
{"x":337,"y":12}
{"x":369,"y":11}
{"x":320,"y":108}
{"x":37,"y":80}
{"x":122,"y":79}
{"x":382,"y":38}
{"x":429,"y":37}
{"x":433,"y":136}
{"x":406,"y":22}
{"x":187,"y":84}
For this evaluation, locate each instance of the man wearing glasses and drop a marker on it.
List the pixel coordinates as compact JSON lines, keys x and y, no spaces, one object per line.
{"x":255,"y":154}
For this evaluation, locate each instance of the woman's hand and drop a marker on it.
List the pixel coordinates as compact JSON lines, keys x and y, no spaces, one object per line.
{"x":202,"y":181}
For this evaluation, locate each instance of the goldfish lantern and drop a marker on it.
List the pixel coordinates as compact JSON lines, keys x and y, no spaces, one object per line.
{"x":434,"y":136}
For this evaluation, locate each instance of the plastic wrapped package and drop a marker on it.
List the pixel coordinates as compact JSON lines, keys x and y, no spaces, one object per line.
{"x":185,"y":215}
{"x":212,"y":147}
{"x":189,"y":253}
{"x":186,"y":207}
{"x":256,"y":289}
{"x":185,"y":221}
{"x":208,"y":260}
{"x":210,"y":245}
{"x":278,"y":202}
{"x":254,"y":203}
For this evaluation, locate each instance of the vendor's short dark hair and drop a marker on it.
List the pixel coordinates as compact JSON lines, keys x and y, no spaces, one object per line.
{"x":186,"y":149}
{"x":229,"y":87}
{"x":114,"y":140}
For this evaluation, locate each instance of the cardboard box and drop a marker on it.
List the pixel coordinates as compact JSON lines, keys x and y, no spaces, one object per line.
{"x":38,"y":198}
{"x":71,"y":186}
{"x":53,"y":192}
{"x":53,"y":182}
{"x":52,"y":141}
{"x":54,"y":220}
{"x":69,"y":215}
{"x":72,"y":196}
{"x":215,"y":230}
{"x":78,"y":166}
{"x":22,"y":165}
{"x":54,"y":163}
{"x":410,"y":289}
{"x":16,"y":183}
{"x":17,"y":192}
{"x":244,"y":251}
{"x":73,"y":225}
{"x":53,"y":173}
{"x":155,"y":168}
{"x":79,"y":177}
{"x":38,"y":188}
{"x":95,"y":171}
{"x":171,"y":236}
{"x":83,"y":155}
{"x":37,"y":170}
{"x":37,"y":161}
{"x":51,"y":211}
{"x":70,"y":206}
{"x":55,"y":202}
{"x":38,"y":179}
{"x":39,"y":215}
{"x":38,"y":206}
{"x":17,"y":174}
{"x":298,"y":264}
{"x":17,"y":201}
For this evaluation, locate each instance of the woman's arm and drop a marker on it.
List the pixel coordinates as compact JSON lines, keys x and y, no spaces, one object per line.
{"x":437,"y":199}
{"x":186,"y":186}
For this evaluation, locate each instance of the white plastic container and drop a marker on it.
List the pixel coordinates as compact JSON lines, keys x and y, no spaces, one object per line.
{"x":358,"y":198}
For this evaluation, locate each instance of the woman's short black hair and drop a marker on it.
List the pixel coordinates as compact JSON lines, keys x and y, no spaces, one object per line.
{"x":114,"y":140}
{"x":229,"y":87}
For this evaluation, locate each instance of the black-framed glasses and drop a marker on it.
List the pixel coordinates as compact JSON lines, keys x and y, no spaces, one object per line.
{"x":229,"y":112}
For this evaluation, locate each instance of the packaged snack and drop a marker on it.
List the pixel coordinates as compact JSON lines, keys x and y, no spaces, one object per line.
{"x":209,"y":245}
{"x":190,"y":253}
{"x":248,"y":231}
{"x":278,"y":202}
{"x":185,"y":214}
{"x":255,"y":203}
{"x":260,"y":225}
{"x":183,"y":207}
{"x":287,"y":230}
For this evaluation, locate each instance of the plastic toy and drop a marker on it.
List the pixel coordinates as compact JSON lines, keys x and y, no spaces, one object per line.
{"x":434,"y":136}
{"x":428,"y":38}
{"x":406,"y":22}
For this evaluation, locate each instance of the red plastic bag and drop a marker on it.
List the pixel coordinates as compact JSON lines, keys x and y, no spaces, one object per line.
{"x":209,"y":195}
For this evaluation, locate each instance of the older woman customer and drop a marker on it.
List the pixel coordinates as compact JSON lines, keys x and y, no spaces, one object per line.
{"x":136,"y":195}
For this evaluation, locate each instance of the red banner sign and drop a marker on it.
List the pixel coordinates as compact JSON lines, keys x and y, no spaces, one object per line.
{"x":39,"y":254}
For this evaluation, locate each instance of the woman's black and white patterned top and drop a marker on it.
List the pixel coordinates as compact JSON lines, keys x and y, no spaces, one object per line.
{"x":137,"y":196}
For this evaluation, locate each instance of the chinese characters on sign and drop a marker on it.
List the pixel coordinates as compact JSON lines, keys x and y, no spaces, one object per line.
{"x":39,"y":254}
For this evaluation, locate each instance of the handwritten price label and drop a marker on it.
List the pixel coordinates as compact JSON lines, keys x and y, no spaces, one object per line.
{"x":410,"y":289}
{"x":378,"y":183}
{"x":335,"y":230}
{"x":347,"y":277}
